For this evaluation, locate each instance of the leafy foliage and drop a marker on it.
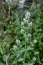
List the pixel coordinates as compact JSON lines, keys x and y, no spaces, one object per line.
{"x":21,"y":37}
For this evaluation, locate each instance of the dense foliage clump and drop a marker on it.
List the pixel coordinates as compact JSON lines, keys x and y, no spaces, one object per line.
{"x":21,"y":36}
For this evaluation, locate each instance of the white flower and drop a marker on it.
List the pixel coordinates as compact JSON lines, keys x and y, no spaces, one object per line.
{"x":22,"y":23}
{"x":14,"y":47}
{"x":34,"y":58}
{"x":29,"y":35}
{"x":17,"y":41}
{"x":10,"y":22}
{"x":27,"y":15}
{"x":22,"y":31}
{"x":30,"y":23}
{"x":24,"y":19}
{"x":34,"y":41}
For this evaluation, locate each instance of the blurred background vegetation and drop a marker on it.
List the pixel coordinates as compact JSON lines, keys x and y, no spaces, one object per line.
{"x":21,"y":34}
